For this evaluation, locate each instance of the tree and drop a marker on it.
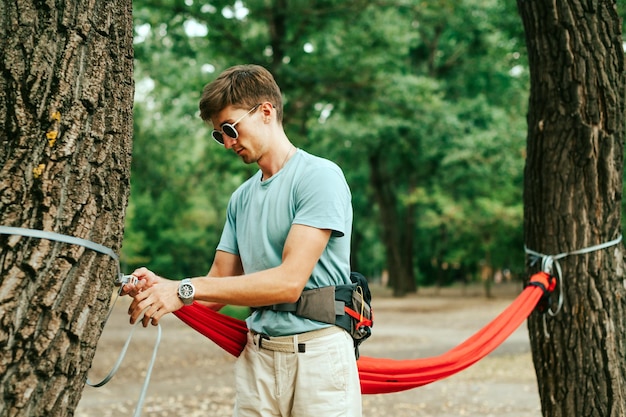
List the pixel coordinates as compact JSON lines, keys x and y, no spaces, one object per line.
{"x":572,"y":197}
{"x":66,"y":94}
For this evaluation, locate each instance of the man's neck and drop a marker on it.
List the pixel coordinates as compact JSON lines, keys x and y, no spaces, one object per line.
{"x":278,"y":160}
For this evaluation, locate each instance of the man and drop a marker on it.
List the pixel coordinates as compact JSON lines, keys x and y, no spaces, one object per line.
{"x":288,"y":229}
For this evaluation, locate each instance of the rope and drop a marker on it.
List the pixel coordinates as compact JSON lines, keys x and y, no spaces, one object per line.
{"x":120,"y":280}
{"x":550,"y":261}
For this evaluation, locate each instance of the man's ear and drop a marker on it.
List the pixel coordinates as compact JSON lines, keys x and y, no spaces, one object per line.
{"x":267,"y":109}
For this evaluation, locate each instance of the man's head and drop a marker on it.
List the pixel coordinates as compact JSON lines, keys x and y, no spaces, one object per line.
{"x":241,"y":86}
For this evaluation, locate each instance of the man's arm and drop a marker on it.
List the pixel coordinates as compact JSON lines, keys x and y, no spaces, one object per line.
{"x":281,"y":284}
{"x":225,"y":265}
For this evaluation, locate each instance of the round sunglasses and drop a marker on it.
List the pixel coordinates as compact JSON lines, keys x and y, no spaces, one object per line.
{"x":228,"y":129}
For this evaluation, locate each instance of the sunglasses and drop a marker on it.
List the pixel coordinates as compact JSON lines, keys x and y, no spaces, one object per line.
{"x":229,"y":130}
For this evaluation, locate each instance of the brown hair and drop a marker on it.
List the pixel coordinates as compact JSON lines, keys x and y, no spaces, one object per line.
{"x":242,"y":86}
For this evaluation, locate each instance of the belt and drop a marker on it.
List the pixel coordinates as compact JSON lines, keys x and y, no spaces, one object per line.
{"x":295,"y":343}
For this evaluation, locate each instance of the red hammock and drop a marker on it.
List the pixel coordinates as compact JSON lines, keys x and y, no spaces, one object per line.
{"x":389,"y":375}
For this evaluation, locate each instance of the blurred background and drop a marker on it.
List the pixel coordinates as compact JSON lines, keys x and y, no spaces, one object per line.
{"x":422,"y":103}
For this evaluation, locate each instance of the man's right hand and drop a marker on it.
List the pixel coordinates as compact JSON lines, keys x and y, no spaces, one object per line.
{"x":145,"y":280}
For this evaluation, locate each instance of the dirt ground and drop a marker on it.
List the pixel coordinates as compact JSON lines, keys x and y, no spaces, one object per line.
{"x":192,"y":377}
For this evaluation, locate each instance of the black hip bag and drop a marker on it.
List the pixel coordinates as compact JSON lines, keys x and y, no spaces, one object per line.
{"x":347,"y":306}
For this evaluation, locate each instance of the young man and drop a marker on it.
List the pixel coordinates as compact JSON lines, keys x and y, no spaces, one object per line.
{"x":287,"y":229}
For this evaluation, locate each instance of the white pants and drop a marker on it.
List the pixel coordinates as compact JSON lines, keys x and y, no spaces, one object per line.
{"x":323,"y":381}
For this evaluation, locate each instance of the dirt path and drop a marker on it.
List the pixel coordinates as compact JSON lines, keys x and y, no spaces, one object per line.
{"x":193,"y":377}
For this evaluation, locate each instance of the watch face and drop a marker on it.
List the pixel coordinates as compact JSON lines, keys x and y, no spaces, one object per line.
{"x":186,"y":291}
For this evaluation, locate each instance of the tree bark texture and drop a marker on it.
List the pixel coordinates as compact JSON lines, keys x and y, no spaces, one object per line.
{"x":572,"y":200}
{"x":66,"y":92}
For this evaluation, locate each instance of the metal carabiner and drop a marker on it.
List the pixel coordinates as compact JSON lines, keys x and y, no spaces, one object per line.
{"x":125,"y":279}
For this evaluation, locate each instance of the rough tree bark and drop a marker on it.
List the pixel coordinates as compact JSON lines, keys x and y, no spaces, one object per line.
{"x":573,"y":192}
{"x":66,"y":94}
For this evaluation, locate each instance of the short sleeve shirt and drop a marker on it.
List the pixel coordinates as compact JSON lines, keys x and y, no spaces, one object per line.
{"x":310,"y":191}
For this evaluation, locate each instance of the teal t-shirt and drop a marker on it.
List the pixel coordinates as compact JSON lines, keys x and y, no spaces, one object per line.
{"x":308,"y":190}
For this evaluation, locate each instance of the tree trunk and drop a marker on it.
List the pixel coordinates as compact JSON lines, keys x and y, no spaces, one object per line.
{"x":573,"y":191}
{"x":397,"y":232}
{"x":66,"y":92}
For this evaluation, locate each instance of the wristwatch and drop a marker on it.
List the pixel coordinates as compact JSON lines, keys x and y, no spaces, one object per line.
{"x":186,"y":291}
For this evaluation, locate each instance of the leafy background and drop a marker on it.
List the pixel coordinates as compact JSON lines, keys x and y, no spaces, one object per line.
{"x":423,"y":105}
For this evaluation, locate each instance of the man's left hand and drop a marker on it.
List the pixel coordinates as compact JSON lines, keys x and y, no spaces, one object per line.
{"x":155,"y":302}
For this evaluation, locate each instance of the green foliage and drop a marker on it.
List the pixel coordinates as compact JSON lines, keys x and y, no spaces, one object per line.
{"x":237,"y":312}
{"x":432,"y":95}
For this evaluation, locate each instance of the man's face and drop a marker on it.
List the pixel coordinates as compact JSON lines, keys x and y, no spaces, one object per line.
{"x":235,"y":127}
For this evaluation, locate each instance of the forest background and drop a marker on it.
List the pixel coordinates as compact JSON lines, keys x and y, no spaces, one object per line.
{"x":422,"y":104}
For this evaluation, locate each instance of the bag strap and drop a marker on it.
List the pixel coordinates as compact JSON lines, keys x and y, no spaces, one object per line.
{"x":293,"y":307}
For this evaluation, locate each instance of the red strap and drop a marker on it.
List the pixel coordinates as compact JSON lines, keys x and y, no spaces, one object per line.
{"x":361,"y":321}
{"x":546,"y":280}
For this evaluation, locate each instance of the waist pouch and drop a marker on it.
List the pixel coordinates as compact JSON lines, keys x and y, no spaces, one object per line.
{"x":347,"y":306}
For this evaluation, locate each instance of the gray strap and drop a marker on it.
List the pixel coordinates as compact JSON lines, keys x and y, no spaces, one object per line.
{"x":340,"y":308}
{"x":292,"y":307}
{"x":58,"y":237}
{"x":120,"y":279}
{"x":118,"y":363}
{"x":289,"y":307}
{"x":42,"y":234}
{"x":550,"y":261}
